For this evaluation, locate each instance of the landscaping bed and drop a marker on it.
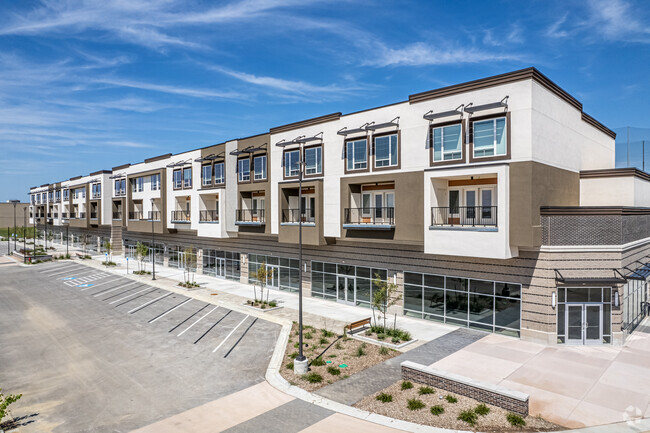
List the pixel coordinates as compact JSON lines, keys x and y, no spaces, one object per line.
{"x":346,"y":357}
{"x":262,"y":305}
{"x":410,"y":401}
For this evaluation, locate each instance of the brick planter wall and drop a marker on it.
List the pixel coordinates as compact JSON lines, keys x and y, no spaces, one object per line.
{"x":512,"y":401}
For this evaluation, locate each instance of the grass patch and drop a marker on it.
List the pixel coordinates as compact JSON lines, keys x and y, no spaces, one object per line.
{"x":323,"y":340}
{"x":289,"y":366}
{"x":451,"y":399}
{"x":331,"y":356}
{"x":426,"y":390}
{"x":515,"y":420}
{"x":437,"y":410}
{"x":334,"y":371}
{"x":415,"y":404}
{"x":313,"y":377}
{"x":293,"y":355}
{"x":384,"y":397}
{"x":308,"y":335}
{"x":338,"y":346}
{"x":327,"y":334}
{"x":384,"y":350}
{"x":468,"y":416}
{"x":360,"y":352}
{"x":482,"y":410}
{"x":318,"y":362}
{"x":406,"y":385}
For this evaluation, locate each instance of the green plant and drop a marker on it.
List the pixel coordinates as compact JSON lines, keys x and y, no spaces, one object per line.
{"x":327,"y":334}
{"x":406,"y":385}
{"x":318,"y":362}
{"x":384,"y":350}
{"x":293,"y":355}
{"x":323,"y":340}
{"x":437,"y":410}
{"x":384,"y":398}
{"x":385,"y":295}
{"x":424,"y":390}
{"x":360,"y":352}
{"x":260,"y":276}
{"x":108,"y":246}
{"x":381,"y":336}
{"x":307,"y":335}
{"x":415,"y":404}
{"x":289,"y":366}
{"x":515,"y":420}
{"x":451,"y":399}
{"x":482,"y":410}
{"x":273,"y":304}
{"x":5,"y":401}
{"x":395,"y":340}
{"x":338,"y":345}
{"x":468,"y":416}
{"x":331,"y":356}
{"x":334,"y":371}
{"x":313,"y":377}
{"x":141,"y":251}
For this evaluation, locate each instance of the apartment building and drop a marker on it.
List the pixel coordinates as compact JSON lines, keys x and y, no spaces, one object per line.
{"x":492,"y":204}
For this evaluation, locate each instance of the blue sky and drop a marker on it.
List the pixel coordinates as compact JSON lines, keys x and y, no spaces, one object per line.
{"x":88,"y":85}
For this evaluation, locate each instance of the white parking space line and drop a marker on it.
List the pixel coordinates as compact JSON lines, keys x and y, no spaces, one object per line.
{"x":169,"y":311}
{"x":132,"y":294}
{"x":112,"y":290}
{"x":149,"y":303}
{"x":78,"y":274}
{"x":53,"y":269}
{"x":187,"y":329}
{"x":231,"y":332}
{"x":60,"y":272}
{"x":105,"y":282}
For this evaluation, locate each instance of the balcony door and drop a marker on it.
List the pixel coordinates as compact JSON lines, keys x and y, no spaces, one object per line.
{"x":472,"y":205}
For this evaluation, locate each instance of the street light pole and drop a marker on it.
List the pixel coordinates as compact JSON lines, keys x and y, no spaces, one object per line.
{"x":24,"y":234}
{"x":15,"y":224}
{"x":153,"y":244}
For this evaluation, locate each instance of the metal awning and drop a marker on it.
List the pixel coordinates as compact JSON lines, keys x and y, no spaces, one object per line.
{"x":471,"y":109}
{"x":345,"y":131}
{"x":432,"y":116}
{"x":180,"y":163}
{"x":300,"y":140}
{"x":118,"y":176}
{"x":249,"y":150}
{"x":615,"y":279}
{"x":210,"y":157}
{"x":374,"y":126}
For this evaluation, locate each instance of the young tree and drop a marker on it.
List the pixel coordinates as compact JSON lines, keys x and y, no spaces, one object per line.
{"x":141,"y":251}
{"x":190,"y":264}
{"x":260,"y":276}
{"x":385,"y":295}
{"x":5,"y":401}
{"x":109,"y":249}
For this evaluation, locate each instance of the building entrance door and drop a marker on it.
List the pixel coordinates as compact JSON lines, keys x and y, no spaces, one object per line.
{"x":220,"y":267}
{"x":345,"y":289}
{"x":273,"y":276}
{"x":584,"y":324}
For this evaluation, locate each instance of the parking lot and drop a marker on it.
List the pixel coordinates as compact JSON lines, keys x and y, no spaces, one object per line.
{"x":91,"y":350}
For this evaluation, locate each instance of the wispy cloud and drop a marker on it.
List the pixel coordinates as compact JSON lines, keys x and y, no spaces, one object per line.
{"x":171,"y":89}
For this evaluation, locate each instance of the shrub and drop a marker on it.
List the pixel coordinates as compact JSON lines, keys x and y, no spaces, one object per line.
{"x":293,"y":355}
{"x":273,"y":304}
{"x":5,"y":401}
{"x":289,"y":366}
{"x":381,"y":336}
{"x":318,"y":362}
{"x":384,"y":398}
{"x":395,"y":340}
{"x":360,"y":351}
{"x":313,"y":377}
{"x":482,"y":410}
{"x":426,"y":390}
{"x":515,"y":420}
{"x":307,"y":335}
{"x":327,"y":334}
{"x":437,"y":410}
{"x":334,"y":371}
{"x":451,"y":399}
{"x":415,"y":404}
{"x":323,"y":340}
{"x":338,"y":345}
{"x":406,"y":385}
{"x":384,"y":350}
{"x":468,"y":416}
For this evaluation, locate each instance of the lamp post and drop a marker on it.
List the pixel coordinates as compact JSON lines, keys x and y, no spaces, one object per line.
{"x":300,"y":364}
{"x":15,"y":202}
{"x":153,"y":245}
{"x":24,"y":234}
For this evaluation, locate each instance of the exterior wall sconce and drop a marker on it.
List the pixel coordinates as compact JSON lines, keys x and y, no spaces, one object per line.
{"x":395,"y":278}
{"x":553,"y":300}
{"x":616,"y":299}
{"x":304,"y":266}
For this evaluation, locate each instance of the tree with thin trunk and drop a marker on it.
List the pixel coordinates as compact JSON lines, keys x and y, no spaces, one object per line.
{"x":109,"y":250}
{"x":190,"y":264}
{"x":260,"y":275}
{"x":141,"y":251}
{"x":384,"y":296}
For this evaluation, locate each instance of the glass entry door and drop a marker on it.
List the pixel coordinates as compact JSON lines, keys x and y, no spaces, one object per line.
{"x":345,"y":289}
{"x":273,"y":276}
{"x":220,"y":267}
{"x":584,"y":324}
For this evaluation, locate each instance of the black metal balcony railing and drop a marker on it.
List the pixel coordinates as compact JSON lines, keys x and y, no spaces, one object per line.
{"x":73,"y":215}
{"x":93,"y":215}
{"x":250,"y":215}
{"x":64,"y":215}
{"x":468,"y":216}
{"x":120,"y":192}
{"x":49,"y":215}
{"x":181,"y":216}
{"x":154,"y":215}
{"x":97,"y":195}
{"x":209,"y":215}
{"x":370,"y":215}
{"x":135,"y":215}
{"x":82,"y":215}
{"x":295,"y":215}
{"x":56,"y":215}
{"x":117,"y":215}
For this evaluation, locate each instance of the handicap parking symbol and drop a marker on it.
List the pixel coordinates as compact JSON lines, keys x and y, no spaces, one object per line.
{"x":85,"y":285}
{"x":69,"y":278}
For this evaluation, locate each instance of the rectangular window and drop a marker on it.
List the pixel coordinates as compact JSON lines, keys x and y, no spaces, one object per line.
{"x":259,"y":167}
{"x":386,"y":150}
{"x":140,"y":183}
{"x":357,"y":154}
{"x":155,"y":182}
{"x":83,"y":192}
{"x":178,"y":179}
{"x":490,"y":137}
{"x":218,"y":173}
{"x":314,"y":160}
{"x":244,"y":169}
{"x":206,"y":175}
{"x":291,"y":163}
{"x":66,"y":194}
{"x":447,"y":143}
{"x":187,"y":177}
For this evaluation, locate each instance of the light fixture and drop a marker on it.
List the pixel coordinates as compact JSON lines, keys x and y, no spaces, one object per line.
{"x":395,"y":278}
{"x":616,"y":300}
{"x":304,"y":266}
{"x":553,"y":299}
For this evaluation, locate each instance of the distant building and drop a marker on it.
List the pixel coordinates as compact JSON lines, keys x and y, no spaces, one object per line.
{"x":7,"y":214}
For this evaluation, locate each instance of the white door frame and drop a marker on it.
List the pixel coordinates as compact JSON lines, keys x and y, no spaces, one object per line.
{"x":584,"y":306}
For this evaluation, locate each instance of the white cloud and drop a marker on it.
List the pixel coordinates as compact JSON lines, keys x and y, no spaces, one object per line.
{"x":174,"y":90}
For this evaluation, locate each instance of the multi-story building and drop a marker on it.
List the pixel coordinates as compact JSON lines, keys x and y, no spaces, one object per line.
{"x":492,"y":204}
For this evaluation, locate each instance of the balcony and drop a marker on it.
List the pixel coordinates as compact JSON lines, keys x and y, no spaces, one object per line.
{"x":180,"y":216}
{"x":250,"y":217}
{"x":82,"y":215}
{"x":464,"y":217}
{"x":120,"y":192}
{"x":295,"y":216}
{"x":64,"y":215}
{"x":209,"y":216}
{"x":97,"y":195}
{"x":56,"y":215}
{"x":135,"y":216}
{"x":93,"y":215}
{"x":49,"y":215}
{"x":154,"y":215}
{"x":369,"y":218}
{"x":73,"y":215}
{"x":117,"y":215}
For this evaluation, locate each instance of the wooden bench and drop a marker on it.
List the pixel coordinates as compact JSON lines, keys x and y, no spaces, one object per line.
{"x":357,"y":324}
